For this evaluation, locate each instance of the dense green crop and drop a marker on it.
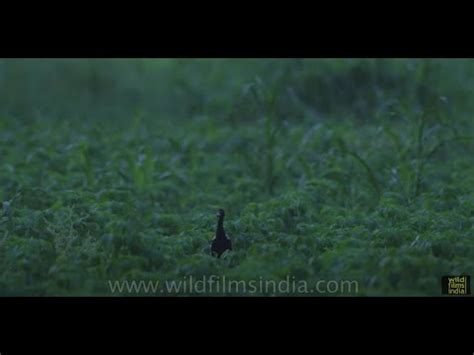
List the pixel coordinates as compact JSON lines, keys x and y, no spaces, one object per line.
{"x":327,"y":170}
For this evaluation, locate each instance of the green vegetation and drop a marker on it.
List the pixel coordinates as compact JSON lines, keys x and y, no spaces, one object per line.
{"x":327,"y":170}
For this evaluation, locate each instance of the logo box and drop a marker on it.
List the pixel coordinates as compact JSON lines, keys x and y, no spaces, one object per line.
{"x":456,"y":285}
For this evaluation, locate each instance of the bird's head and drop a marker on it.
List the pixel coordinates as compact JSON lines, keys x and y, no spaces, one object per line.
{"x":220,"y":213}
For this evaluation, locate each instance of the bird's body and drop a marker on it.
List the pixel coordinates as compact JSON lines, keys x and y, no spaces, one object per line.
{"x":221,"y":241}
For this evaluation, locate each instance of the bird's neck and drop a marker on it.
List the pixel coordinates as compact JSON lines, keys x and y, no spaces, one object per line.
{"x":220,"y":233}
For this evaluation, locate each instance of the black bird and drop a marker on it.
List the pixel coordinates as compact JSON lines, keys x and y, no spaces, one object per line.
{"x":221,"y":241}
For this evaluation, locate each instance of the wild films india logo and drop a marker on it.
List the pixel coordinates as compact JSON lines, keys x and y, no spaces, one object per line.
{"x":456,"y":285}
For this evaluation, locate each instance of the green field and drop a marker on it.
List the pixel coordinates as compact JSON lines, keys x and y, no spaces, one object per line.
{"x":327,"y":170}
